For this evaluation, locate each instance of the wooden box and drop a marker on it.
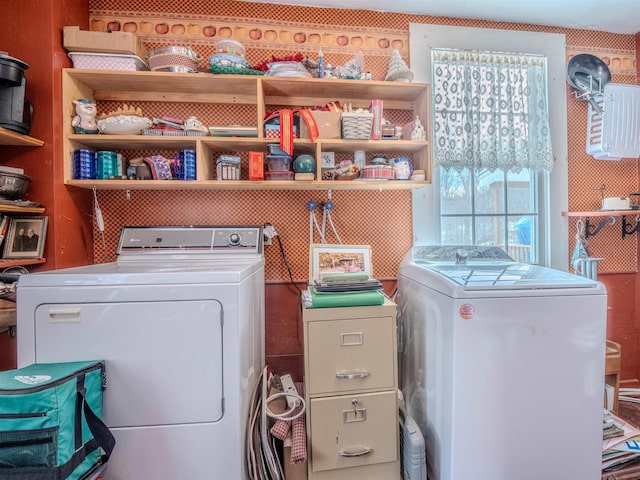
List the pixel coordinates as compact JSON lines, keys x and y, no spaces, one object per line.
{"x":76,"y":40}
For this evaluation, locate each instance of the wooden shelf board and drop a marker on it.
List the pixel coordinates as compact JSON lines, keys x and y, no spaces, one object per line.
{"x":167,"y":86}
{"x":146,"y":142}
{"x":246,"y":185}
{"x":20,"y":262}
{"x":602,"y":213}
{"x":17,"y":209}
{"x":8,"y":137}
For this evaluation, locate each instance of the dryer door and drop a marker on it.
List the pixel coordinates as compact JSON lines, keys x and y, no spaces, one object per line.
{"x":163,"y":359}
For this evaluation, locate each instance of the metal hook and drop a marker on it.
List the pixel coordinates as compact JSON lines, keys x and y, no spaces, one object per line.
{"x":591,"y":230}
{"x":629,"y":228}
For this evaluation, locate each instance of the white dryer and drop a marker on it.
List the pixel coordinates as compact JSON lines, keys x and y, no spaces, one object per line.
{"x":179,"y":320}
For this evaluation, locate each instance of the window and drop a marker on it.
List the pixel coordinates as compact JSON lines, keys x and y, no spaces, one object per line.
{"x":491,"y":140}
{"x":552,"y":189}
{"x":490,"y":208}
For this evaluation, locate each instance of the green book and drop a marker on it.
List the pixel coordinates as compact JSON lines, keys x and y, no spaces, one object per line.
{"x":345,"y":299}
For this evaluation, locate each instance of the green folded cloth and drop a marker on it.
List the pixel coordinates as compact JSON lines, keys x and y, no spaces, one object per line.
{"x":345,"y":299}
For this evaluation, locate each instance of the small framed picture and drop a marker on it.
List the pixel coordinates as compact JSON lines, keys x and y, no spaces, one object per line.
{"x":331,"y":260}
{"x":25,"y":237}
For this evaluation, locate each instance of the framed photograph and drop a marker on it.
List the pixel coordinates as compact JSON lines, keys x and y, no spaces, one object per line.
{"x":327,"y":260}
{"x":25,"y":237}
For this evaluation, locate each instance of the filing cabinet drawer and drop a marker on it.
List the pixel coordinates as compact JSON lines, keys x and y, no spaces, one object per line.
{"x":351,"y":355}
{"x":354,"y":430}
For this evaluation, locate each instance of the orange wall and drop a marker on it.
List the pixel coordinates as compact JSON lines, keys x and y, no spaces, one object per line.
{"x":381,"y":219}
{"x":376,"y":34}
{"x":36,"y":40}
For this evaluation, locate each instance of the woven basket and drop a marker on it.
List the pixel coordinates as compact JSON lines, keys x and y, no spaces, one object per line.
{"x":356,"y":125}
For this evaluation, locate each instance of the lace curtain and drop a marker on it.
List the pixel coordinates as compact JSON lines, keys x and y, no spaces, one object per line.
{"x":490,"y":111}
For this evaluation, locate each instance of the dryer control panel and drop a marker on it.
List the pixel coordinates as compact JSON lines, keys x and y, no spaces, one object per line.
{"x":190,"y":240}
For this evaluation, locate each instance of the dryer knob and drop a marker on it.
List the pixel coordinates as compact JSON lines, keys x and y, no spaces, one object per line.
{"x":234,"y":239}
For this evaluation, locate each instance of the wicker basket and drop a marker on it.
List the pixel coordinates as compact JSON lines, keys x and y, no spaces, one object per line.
{"x":356,"y":125}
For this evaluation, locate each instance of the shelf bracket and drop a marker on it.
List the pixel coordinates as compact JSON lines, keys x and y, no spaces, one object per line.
{"x":629,"y":228}
{"x":591,"y":230}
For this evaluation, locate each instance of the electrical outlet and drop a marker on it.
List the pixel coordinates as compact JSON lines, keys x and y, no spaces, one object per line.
{"x":289,"y":387}
{"x":268,"y":232}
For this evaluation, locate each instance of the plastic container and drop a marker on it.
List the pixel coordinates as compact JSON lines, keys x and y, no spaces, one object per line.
{"x":274,"y":149}
{"x":278,"y":163}
{"x":230,"y":46}
{"x":279,"y":175}
{"x":106,"y":61}
{"x":173,"y":58}
{"x":228,"y":60}
{"x":377,"y":172}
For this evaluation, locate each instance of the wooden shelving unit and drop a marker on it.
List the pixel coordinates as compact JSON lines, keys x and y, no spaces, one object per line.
{"x":261,"y":94}
{"x":9,"y":138}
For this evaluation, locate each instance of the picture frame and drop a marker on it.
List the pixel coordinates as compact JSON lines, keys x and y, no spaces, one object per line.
{"x":338,"y":259}
{"x":25,"y":237}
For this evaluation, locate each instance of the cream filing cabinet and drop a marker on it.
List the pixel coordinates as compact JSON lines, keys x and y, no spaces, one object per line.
{"x":351,"y":383}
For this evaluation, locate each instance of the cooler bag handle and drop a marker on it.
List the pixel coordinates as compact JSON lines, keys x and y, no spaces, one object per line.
{"x":101,"y":433}
{"x":102,"y":436}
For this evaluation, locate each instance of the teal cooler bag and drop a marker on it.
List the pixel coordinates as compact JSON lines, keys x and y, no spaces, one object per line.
{"x":50,"y":421}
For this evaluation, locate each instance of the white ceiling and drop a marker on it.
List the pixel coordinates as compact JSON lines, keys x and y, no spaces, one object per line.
{"x":617,"y":16}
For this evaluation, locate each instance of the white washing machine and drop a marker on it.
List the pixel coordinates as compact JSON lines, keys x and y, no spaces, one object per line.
{"x":179,"y":320}
{"x":502,"y":365}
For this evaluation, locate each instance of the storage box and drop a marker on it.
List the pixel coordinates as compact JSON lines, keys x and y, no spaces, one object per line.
{"x":356,"y":125}
{"x":106,"y":61}
{"x":76,"y":40}
{"x":228,"y":167}
{"x":279,"y":175}
{"x":328,"y":124}
{"x":256,"y":166}
{"x":292,"y":472}
{"x":278,"y":163}
{"x":273,"y":131}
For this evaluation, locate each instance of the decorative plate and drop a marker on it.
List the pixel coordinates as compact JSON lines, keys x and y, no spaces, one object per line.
{"x":123,"y":125}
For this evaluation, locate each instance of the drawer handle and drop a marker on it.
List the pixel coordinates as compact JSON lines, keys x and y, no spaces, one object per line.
{"x":351,"y":339}
{"x":352,"y":375}
{"x":355,"y":451}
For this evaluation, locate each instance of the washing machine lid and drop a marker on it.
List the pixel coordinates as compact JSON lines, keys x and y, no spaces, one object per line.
{"x":483,"y":269}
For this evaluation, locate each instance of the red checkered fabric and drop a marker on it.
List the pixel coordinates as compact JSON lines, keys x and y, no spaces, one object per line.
{"x":280,"y":429}
{"x":299,"y":433}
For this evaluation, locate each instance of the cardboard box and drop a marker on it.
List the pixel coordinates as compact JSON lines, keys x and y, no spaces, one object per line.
{"x":76,"y":40}
{"x":328,"y":124}
{"x":292,"y":472}
{"x":273,"y":131}
{"x":256,"y":165}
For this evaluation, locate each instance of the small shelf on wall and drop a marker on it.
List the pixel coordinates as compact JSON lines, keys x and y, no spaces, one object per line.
{"x":8,"y":137}
{"x":11,"y":209}
{"x":607,"y":217}
{"x":21,"y":262}
{"x":20,"y":210}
